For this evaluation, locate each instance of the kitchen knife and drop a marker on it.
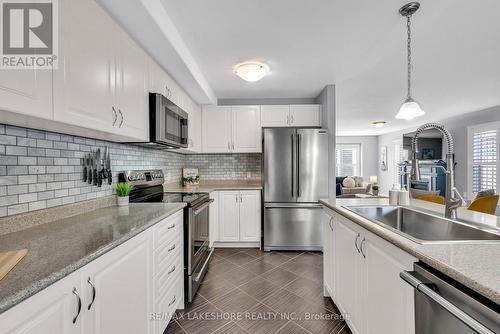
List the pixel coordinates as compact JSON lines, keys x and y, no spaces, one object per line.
{"x":94,"y":169}
{"x":108,"y":167}
{"x":99,"y":168}
{"x":85,"y":164}
{"x":90,"y":170}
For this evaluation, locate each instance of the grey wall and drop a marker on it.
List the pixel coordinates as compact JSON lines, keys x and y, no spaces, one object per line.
{"x":458,"y":127}
{"x":369,"y":153}
{"x":40,"y":169}
{"x":327,"y":101}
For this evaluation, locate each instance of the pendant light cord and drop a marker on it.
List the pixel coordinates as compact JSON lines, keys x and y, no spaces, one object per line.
{"x":408,"y":25}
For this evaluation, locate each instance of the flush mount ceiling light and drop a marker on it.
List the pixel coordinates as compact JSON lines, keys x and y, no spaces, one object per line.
{"x":410,"y":108}
{"x":251,"y":71}
{"x":379,"y":124}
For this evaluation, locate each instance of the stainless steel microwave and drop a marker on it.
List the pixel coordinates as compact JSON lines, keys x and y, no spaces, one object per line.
{"x":168,"y":123}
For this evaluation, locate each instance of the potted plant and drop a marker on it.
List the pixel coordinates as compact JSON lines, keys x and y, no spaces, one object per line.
{"x":375,"y":188}
{"x":122,"y":191}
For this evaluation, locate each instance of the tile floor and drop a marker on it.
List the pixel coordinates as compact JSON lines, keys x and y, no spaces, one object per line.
{"x":249,"y":291}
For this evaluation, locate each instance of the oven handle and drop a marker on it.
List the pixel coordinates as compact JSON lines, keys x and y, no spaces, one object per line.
{"x":410,"y":278}
{"x":201,"y":208}
{"x":198,"y":277}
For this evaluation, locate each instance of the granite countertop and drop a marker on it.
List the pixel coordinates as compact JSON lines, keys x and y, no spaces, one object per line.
{"x":475,"y":265}
{"x":209,"y":186}
{"x":57,"y":248}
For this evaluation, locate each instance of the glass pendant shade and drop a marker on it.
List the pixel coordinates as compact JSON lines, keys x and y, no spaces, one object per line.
{"x":251,"y":72}
{"x":409,"y":110}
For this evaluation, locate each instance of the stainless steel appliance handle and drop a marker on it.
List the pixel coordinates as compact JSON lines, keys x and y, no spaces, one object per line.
{"x":291,"y":146}
{"x":75,"y":292}
{"x":420,"y":286}
{"x":299,"y":139}
{"x":89,"y":281}
{"x":198,"y":278}
{"x":207,"y":203}
{"x":294,"y":206}
{"x":356,"y":242}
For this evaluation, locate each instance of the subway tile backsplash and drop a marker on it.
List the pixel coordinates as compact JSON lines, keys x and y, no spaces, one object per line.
{"x":40,"y":169}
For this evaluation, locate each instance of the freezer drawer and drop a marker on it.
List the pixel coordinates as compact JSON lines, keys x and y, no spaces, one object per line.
{"x":293,"y":227}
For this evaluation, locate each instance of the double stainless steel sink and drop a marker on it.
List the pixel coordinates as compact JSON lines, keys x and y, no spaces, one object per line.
{"x":423,"y":227}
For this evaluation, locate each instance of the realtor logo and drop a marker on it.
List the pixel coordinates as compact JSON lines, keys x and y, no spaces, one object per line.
{"x":29,"y":34}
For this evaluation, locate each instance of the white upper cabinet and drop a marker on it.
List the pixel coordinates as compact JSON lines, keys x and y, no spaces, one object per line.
{"x":305,"y":115}
{"x":246,"y":130}
{"x":27,"y":92}
{"x":275,"y":115}
{"x":84,"y":83}
{"x":231,"y":129}
{"x":194,"y":128}
{"x":131,"y":96}
{"x":296,"y":115}
{"x":216,"y":129}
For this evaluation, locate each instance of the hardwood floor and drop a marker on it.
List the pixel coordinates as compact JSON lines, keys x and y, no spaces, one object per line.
{"x":249,"y":291}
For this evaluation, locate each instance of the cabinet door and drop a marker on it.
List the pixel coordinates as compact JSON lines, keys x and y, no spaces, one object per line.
{"x":389,"y":306}
{"x":214,"y":217}
{"x":250,"y":215}
{"x":84,"y":83}
{"x":48,"y":312}
{"x":157,"y":78}
{"x":328,"y":256}
{"x":229,"y":216}
{"x":122,"y":279}
{"x":194,"y":131}
{"x":275,"y":115}
{"x":131,"y":88}
{"x":216,"y":129}
{"x":246,"y":129}
{"x":349,"y":276}
{"x":305,"y":115}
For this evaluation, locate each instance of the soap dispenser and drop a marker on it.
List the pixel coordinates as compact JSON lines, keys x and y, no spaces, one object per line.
{"x":393,"y":195}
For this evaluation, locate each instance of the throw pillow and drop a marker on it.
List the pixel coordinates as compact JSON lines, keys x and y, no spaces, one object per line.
{"x":358,"y":180}
{"x":484,"y":193}
{"x":349,"y":182}
{"x":340,"y":179}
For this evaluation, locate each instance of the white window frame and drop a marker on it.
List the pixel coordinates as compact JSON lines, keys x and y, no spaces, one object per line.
{"x":470,"y":133}
{"x":354,"y":146}
{"x":397,"y":148}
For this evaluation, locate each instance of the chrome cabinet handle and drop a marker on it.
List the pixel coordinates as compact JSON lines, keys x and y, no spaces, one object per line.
{"x":232,"y":145}
{"x":356,"y":242}
{"x":121,"y":119}
{"x":241,"y":198}
{"x":288,"y":119}
{"x":330,"y":223}
{"x":171,"y":271}
{"x":361,"y":247}
{"x":115,"y":115}
{"x":172,"y":302}
{"x":291,"y":119}
{"x":171,"y":249}
{"x":410,"y":278}
{"x":89,"y":281}
{"x":171,"y":227}
{"x":75,"y":292}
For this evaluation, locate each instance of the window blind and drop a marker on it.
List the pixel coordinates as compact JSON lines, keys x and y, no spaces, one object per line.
{"x":484,"y":160}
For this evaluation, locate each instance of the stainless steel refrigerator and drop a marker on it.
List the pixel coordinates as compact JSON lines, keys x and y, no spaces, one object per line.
{"x":295,"y":169}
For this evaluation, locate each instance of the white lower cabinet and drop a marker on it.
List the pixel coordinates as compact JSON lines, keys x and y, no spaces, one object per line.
{"x":214,"y":217}
{"x":329,"y":227}
{"x":239,"y":216}
{"x":364,"y":271}
{"x":131,"y":289}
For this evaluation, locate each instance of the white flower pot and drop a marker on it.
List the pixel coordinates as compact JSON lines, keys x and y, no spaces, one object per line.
{"x":122,"y":201}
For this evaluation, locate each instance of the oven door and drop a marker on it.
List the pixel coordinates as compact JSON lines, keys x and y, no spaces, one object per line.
{"x":171,"y":123}
{"x":198,"y":236}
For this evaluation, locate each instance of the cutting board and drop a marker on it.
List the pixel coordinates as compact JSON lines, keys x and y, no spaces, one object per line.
{"x":8,"y":260}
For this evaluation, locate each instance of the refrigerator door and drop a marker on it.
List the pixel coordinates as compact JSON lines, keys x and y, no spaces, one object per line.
{"x":279,"y":165}
{"x":291,"y":226}
{"x":312,"y":165}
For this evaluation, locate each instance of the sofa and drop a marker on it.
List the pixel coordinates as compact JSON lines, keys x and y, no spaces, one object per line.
{"x":348,"y":189}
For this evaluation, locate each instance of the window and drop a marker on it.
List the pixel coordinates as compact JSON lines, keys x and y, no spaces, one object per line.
{"x":348,"y":159}
{"x":400,"y":155}
{"x":483,"y":141}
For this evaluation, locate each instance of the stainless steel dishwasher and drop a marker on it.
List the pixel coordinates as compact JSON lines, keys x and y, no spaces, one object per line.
{"x":445,"y":306}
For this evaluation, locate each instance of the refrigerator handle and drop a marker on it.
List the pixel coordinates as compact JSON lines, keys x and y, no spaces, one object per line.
{"x":299,"y":138}
{"x":291,"y":147}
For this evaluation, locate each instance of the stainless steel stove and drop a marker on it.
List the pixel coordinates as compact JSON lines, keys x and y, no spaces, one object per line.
{"x":148,"y":187}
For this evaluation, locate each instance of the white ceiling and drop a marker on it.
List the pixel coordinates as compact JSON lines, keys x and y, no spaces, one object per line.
{"x":357,"y":45}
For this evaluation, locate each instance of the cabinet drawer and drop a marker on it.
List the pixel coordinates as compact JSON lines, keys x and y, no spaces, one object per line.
{"x":168,"y":303}
{"x":167,"y":228}
{"x":165,"y":254}
{"x":166,"y":279}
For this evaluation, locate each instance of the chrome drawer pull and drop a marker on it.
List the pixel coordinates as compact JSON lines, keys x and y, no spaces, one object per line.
{"x":171,"y":248}
{"x":89,"y":281}
{"x":172,"y":302}
{"x":356,"y":242}
{"x":171,"y":270}
{"x":75,"y":292}
{"x":171,"y":227}
{"x":361,"y":247}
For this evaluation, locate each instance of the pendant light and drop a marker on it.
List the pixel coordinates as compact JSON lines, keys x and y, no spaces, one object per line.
{"x":410,"y":108}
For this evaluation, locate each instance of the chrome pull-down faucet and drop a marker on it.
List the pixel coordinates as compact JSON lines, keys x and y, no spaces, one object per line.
{"x":451,"y":202}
